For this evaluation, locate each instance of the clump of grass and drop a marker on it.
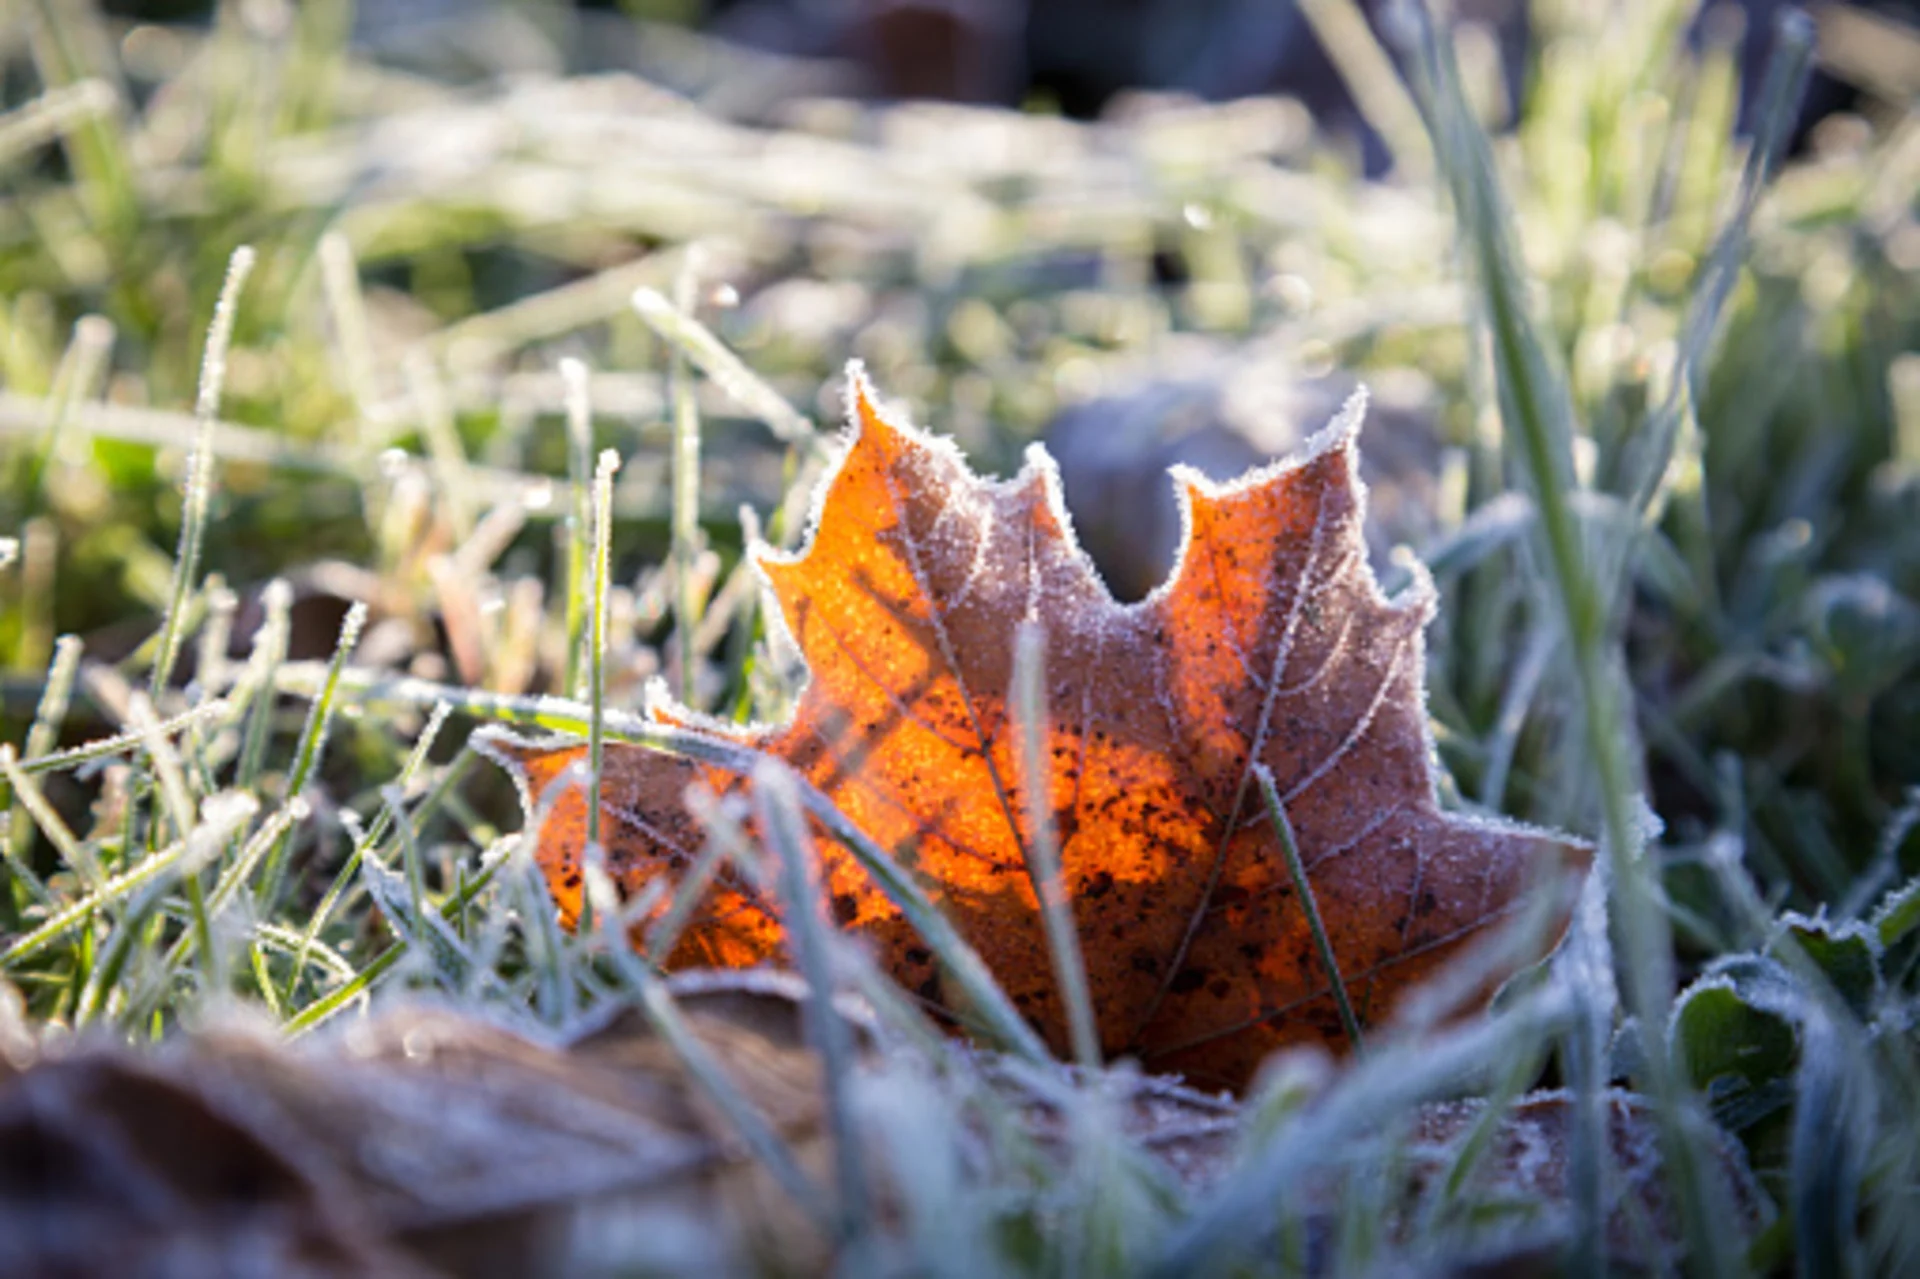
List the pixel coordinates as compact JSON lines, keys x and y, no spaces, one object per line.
{"x":1674,"y":414}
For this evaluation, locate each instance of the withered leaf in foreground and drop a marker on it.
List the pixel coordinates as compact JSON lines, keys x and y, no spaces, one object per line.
{"x":420,"y":1142}
{"x":1270,"y":644}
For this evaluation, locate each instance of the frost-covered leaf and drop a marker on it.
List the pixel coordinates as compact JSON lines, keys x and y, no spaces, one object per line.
{"x":1848,"y":954}
{"x":1271,"y":644}
{"x":1735,"y":1036}
{"x":1899,"y":914}
{"x":1832,"y":1130}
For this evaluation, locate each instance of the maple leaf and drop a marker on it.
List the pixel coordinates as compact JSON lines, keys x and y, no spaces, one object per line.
{"x":1271,"y":644}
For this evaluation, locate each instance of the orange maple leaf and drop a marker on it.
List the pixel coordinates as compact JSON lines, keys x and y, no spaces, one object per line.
{"x":1271,"y":643}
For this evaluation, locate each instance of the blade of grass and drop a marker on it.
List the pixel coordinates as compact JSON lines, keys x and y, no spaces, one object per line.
{"x":549,"y":954}
{"x":553,"y":314}
{"x":1586,"y":967}
{"x":1884,"y":868}
{"x":53,"y":114}
{"x":810,"y":939}
{"x":597,"y":650}
{"x":727,"y":371}
{"x":1043,"y":846}
{"x":74,"y":380}
{"x":1342,"y":31}
{"x":579,"y":518}
{"x":48,"y":717}
{"x":121,"y":743}
{"x":1277,"y":813}
{"x":313,"y":740}
{"x":72,"y":851}
{"x":211,"y":671}
{"x":401,"y":898}
{"x":1833,"y":1111}
{"x":264,"y":983}
{"x":174,"y":798}
{"x":687,"y":542}
{"x":123,"y":940}
{"x":19,"y":838}
{"x":1514,"y":705}
{"x":373,"y":836}
{"x":663,"y":1014}
{"x":262,"y":679}
{"x":1474,"y":1148}
{"x":193,"y":516}
{"x":347,"y":306}
{"x":391,"y":804}
{"x":1538,"y":415}
{"x":235,"y":442}
{"x":38,"y":551}
{"x":435,"y":415}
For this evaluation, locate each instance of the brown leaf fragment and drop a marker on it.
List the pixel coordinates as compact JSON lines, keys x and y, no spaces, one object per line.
{"x":1270,"y":644}
{"x":421,"y":1142}
{"x":111,"y":1165}
{"x":1525,"y":1170}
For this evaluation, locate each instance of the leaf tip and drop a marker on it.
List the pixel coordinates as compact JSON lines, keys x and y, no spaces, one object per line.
{"x":1339,"y":436}
{"x":863,"y":403}
{"x":656,"y":699}
{"x":514,"y":755}
{"x":1345,"y":426}
{"x":532,"y":763}
{"x":503,"y":746}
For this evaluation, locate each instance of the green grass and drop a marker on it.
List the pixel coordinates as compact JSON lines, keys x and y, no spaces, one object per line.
{"x":1674,"y":524}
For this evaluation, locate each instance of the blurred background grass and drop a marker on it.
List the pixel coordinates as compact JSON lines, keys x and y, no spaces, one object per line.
{"x":1186,"y":242}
